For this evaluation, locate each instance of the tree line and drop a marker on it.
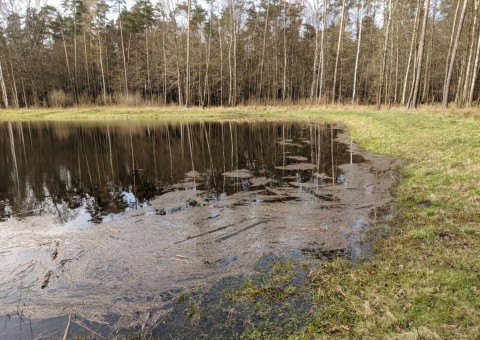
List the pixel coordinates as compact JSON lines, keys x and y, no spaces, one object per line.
{"x":231,"y":52}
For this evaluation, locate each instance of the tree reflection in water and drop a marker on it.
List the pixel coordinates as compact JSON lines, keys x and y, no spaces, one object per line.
{"x":61,"y":168}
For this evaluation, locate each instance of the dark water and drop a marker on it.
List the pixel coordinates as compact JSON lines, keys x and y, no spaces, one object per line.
{"x":86,"y":174}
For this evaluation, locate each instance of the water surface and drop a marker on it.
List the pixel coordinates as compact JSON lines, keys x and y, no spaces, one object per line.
{"x":115,"y":219}
{"x":86,"y":174}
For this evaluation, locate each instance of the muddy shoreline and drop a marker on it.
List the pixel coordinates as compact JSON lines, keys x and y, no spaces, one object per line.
{"x":125,"y":273}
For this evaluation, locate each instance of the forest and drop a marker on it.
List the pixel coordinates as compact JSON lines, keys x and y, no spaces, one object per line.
{"x":239,"y":52}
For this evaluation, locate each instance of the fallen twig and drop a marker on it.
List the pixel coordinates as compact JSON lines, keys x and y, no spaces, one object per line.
{"x":65,"y":335}
{"x":81,"y":324}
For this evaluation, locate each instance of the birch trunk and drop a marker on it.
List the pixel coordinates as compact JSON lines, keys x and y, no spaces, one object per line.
{"x":284,"y":87}
{"x":428,"y":64}
{"x":221,"y":61}
{"x":187,"y":78}
{"x":104,"y":87}
{"x":4,"y":88}
{"x":413,"y":102}
{"x":471,"y":52}
{"x":384,"y":58}
{"x":14,"y":85}
{"x":206,"y":91}
{"x":410,"y":54}
{"x":339,"y":45}
{"x":123,"y":54}
{"x":262,"y":61}
{"x":87,"y":73}
{"x":357,"y":56}
{"x":68,"y":64}
{"x":475,"y":65}
{"x":322,"y":50}
{"x":446,"y":86}
{"x":313,"y":88}
{"x":164,"y":67}
{"x":149,"y":84}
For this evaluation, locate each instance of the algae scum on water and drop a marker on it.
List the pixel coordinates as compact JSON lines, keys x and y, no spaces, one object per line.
{"x":113,"y":223}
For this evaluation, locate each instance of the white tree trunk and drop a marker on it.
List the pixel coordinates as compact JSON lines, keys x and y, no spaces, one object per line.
{"x":471,"y":52}
{"x":123,"y":56}
{"x":384,"y":58}
{"x":313,"y":88}
{"x":322,"y":50}
{"x":187,"y":79}
{"x":413,"y":102}
{"x":262,"y":61}
{"x":475,"y":65}
{"x":339,"y":45}
{"x":410,"y":55}
{"x":4,"y":88}
{"x":284,"y":87}
{"x":446,"y":86}
{"x":357,"y":56}
{"x":104,"y":87}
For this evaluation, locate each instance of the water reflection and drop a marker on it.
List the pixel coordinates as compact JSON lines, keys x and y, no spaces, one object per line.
{"x":73,"y":170}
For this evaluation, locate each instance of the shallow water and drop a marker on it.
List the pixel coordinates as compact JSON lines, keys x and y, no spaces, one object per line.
{"x":111,"y":222}
{"x":86,"y":174}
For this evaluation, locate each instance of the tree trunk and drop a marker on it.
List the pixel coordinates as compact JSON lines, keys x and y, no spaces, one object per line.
{"x":87,"y":72}
{"x":313,"y":88}
{"x":428,"y":64}
{"x":262,"y":61}
{"x":104,"y":87}
{"x":410,"y":54}
{"x":147,"y":52}
{"x":230,"y":70}
{"x":339,"y":45}
{"x":75,"y":68}
{"x":413,"y":101}
{"x":68,"y":64}
{"x":206,"y":88}
{"x":187,"y":77}
{"x":14,"y":85}
{"x":446,"y":85}
{"x":475,"y":64}
{"x":284,"y":86}
{"x":235,"y":87}
{"x":221,"y":61}
{"x":164,"y":67}
{"x":385,"y":50}
{"x":4,"y":88}
{"x":322,"y":50}
{"x":471,"y":52}
{"x":123,"y":54}
{"x":357,"y":56}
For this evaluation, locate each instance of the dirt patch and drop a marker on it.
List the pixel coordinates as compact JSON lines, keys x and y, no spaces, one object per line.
{"x":133,"y":265}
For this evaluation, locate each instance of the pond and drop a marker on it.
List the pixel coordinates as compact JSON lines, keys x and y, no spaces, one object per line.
{"x":116,"y":218}
{"x":75,"y":170}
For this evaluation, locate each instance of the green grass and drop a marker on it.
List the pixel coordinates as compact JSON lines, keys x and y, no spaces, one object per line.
{"x":424,"y":279}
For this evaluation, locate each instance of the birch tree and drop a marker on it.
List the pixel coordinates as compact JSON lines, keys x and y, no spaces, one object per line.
{"x":359,"y":44}
{"x":452,"y":54}
{"x":416,"y":83}
{"x":339,"y":45}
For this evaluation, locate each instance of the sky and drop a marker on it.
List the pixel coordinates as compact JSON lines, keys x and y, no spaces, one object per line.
{"x":56,"y":3}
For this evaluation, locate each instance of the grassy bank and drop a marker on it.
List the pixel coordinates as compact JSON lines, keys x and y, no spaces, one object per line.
{"x":424,"y":280}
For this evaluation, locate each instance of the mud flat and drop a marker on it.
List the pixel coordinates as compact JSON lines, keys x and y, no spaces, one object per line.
{"x":123,"y":272}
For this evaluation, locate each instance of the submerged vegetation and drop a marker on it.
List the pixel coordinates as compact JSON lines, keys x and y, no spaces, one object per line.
{"x":423,"y":279}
